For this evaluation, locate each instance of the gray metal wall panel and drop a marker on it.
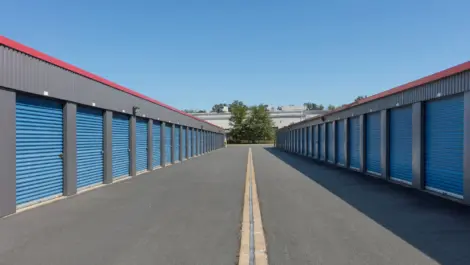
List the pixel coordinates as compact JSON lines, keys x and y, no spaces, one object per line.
{"x":70,"y":149}
{"x":346,"y":143}
{"x":418,"y":145}
{"x":384,"y":149}
{"x":108,"y":147}
{"x":28,"y":74}
{"x":173,"y":144}
{"x":7,"y":152}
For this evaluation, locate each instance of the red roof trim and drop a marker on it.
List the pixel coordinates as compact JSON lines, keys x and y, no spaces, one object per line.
{"x":42,"y":56}
{"x":427,"y":79}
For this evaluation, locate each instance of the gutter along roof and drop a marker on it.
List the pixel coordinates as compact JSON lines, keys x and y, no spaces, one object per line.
{"x":427,"y":79}
{"x":44,"y":57}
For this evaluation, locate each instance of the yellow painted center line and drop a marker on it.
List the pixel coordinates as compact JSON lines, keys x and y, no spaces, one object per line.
{"x":253,"y":243}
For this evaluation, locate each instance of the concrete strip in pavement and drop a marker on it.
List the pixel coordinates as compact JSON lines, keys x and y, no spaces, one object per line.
{"x":259,"y":244}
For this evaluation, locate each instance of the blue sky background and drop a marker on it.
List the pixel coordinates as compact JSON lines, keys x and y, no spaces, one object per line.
{"x":193,"y":54}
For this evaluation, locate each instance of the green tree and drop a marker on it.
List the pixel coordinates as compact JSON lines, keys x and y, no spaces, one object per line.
{"x":310,"y":106}
{"x":201,"y":111}
{"x":218,"y":107}
{"x":259,"y":125}
{"x":359,"y":98}
{"x":237,"y":119}
{"x":331,"y":107}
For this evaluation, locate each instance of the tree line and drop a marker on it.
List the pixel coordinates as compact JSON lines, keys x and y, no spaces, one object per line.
{"x":252,"y":124}
{"x":218,"y":108}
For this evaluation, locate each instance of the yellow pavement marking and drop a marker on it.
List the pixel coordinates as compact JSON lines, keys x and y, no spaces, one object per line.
{"x":260,"y":254}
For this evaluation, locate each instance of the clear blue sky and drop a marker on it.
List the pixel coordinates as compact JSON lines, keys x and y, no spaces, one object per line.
{"x":192,"y":54}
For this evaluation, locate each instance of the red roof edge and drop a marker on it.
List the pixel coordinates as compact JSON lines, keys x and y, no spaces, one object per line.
{"x":427,"y":79}
{"x":42,"y":56}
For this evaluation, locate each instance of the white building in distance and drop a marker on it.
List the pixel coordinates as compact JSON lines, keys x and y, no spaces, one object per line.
{"x":281,"y":116}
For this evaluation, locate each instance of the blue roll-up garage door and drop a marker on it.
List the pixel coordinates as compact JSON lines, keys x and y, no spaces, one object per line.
{"x":321,"y":141}
{"x":373,"y":156}
{"x":156,"y":143}
{"x":198,"y":142}
{"x":89,"y":146}
{"x":315,"y":141}
{"x":183,"y":140}
{"x":39,"y":148}
{"x":177,"y":142}
{"x":354,"y":143}
{"x":309,"y":141}
{"x":141,"y":144}
{"x":168,"y":147}
{"x":400,"y":138}
{"x":340,"y":156}
{"x":299,"y":141}
{"x":330,"y":142}
{"x":190,"y":142}
{"x":194,"y":142}
{"x":304,"y":141}
{"x":120,"y":145}
{"x":444,"y":130}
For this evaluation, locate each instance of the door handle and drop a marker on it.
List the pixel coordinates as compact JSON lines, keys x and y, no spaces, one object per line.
{"x":61,"y":155}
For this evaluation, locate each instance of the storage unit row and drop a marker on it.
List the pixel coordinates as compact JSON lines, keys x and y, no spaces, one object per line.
{"x":64,"y":130}
{"x":421,"y":139}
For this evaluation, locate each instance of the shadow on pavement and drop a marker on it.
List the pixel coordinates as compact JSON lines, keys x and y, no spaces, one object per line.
{"x":437,"y":227}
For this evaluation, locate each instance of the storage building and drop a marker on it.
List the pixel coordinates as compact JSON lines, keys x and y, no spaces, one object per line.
{"x":417,"y":134}
{"x":64,"y":130}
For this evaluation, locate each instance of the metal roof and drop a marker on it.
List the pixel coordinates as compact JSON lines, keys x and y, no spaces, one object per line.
{"x":42,"y":56}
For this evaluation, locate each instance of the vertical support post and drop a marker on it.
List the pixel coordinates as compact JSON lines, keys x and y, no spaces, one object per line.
{"x":334,"y":141}
{"x":150,"y":144}
{"x":108,"y":147}
{"x":346,"y":143}
{"x":418,"y":145}
{"x":181,"y":143}
{"x":7,"y":152}
{"x":162,"y":144}
{"x":70,"y":149}
{"x":132,"y":141}
{"x":187,"y":143}
{"x":173,"y":142}
{"x":384,"y":143}
{"x":362,"y":137}
{"x":466,"y":151}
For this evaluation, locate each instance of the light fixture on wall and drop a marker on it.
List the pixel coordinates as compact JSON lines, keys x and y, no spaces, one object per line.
{"x":135,"y":110}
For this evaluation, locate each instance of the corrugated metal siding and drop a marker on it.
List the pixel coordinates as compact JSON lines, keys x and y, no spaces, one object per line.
{"x":90,"y":150}
{"x":401,"y":137}
{"x":444,"y":145}
{"x":330,"y":138}
{"x":184,"y":142}
{"x":354,"y":143}
{"x":168,"y":146}
{"x":340,"y":156}
{"x":39,"y":144}
{"x":445,"y":87}
{"x":141,"y":144}
{"x":321,"y":141}
{"x":373,"y":143}
{"x":177,"y":143}
{"x":121,"y":149}
{"x":156,"y":139}
{"x":25,"y":73}
{"x":199,"y":141}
